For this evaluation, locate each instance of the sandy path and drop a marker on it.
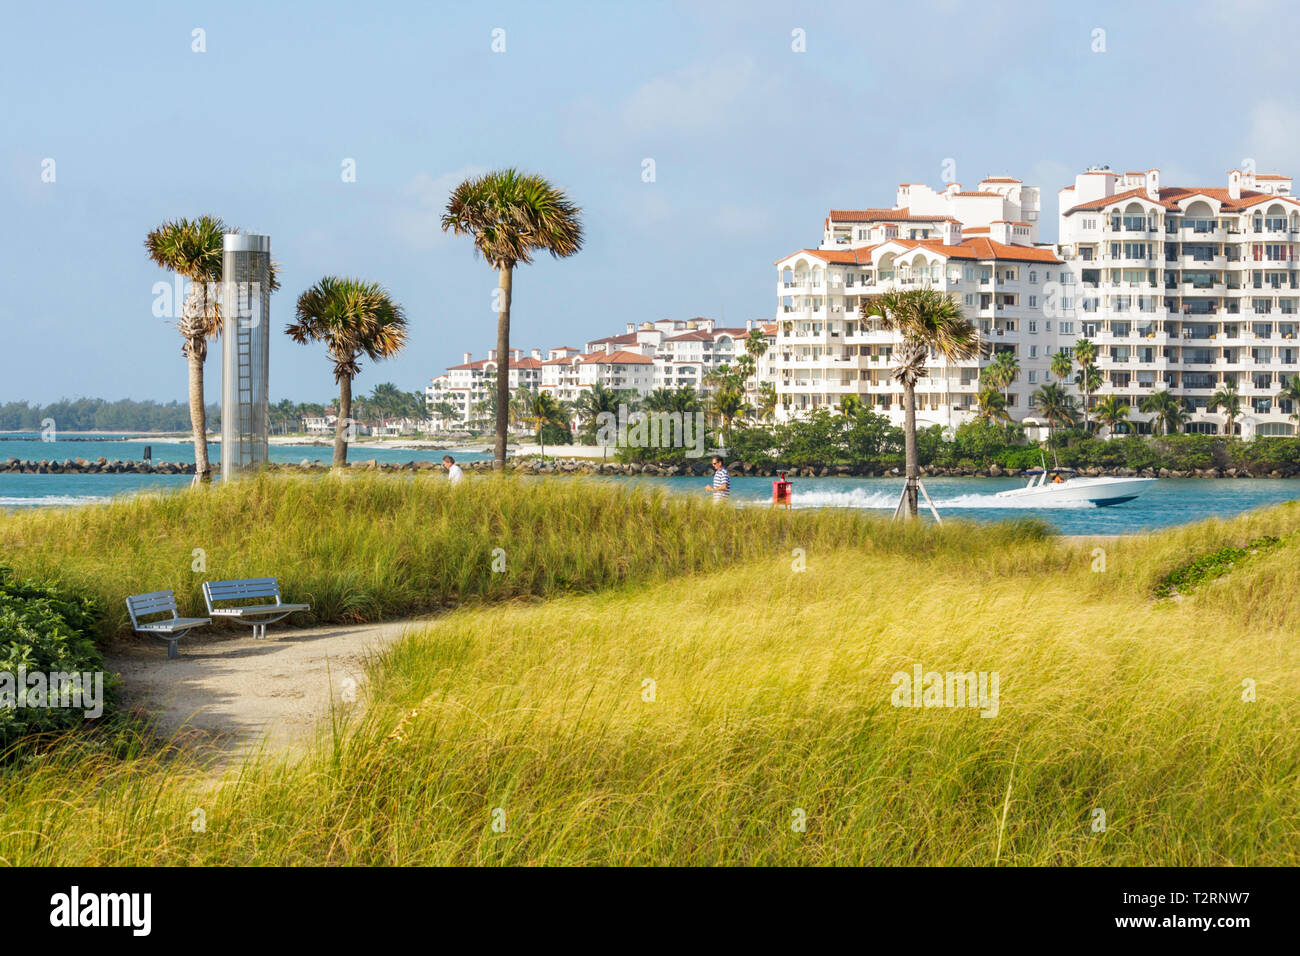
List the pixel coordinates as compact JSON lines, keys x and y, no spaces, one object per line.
{"x":229,"y":694}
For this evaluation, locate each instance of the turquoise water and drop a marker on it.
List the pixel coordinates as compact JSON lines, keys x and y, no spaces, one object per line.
{"x":29,"y":447}
{"x":1167,"y":502}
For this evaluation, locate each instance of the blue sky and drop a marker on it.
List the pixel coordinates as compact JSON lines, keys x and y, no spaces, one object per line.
{"x":752,"y":143}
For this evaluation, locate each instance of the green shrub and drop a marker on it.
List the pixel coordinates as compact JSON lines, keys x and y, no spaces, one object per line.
{"x":42,"y":631}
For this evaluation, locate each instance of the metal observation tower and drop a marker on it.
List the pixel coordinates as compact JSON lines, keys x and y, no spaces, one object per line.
{"x":245,"y":352}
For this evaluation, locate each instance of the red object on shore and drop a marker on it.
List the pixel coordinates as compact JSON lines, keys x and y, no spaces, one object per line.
{"x":782,"y":491}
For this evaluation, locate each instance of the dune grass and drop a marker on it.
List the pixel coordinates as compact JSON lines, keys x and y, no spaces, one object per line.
{"x":377,"y":547}
{"x":525,"y":732}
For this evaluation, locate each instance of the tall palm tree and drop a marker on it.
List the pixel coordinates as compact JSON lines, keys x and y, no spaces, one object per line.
{"x":193,"y":248}
{"x":927,"y":320}
{"x":1168,"y":410}
{"x":1089,"y":377}
{"x":1229,"y":400}
{"x":756,"y":348}
{"x":510,"y":216}
{"x":352,"y":318}
{"x":1056,"y":405}
{"x":765,"y":405}
{"x":1291,"y":393}
{"x":1112,"y":411}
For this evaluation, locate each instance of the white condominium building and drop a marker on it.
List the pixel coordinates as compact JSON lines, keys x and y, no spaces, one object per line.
{"x":1188,"y":288}
{"x":977,"y":245}
{"x":569,"y":375}
{"x":468,"y":386}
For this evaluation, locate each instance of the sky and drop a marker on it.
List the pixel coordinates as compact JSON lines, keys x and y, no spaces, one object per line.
{"x":758,"y":116}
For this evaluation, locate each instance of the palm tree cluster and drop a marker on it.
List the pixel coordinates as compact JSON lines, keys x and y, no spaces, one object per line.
{"x":510,"y":216}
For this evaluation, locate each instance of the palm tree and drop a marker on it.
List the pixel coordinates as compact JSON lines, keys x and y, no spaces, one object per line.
{"x":1002,"y":371}
{"x":765,"y":407}
{"x":600,"y":400}
{"x":992,"y":405}
{"x":1062,"y":365}
{"x":730,"y":402}
{"x":1169,"y":412}
{"x":756,"y":348}
{"x":193,"y":248}
{"x":1227,"y":399}
{"x":543,"y":410}
{"x":927,"y":320}
{"x":1056,"y":405}
{"x":352,"y":318}
{"x":1089,"y":377}
{"x":511,"y":216}
{"x":1291,"y":393}
{"x":850,"y":405}
{"x":1112,"y":411}
{"x":660,"y":400}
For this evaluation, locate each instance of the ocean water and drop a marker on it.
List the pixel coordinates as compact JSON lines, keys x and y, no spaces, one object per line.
{"x":1165,"y":503}
{"x":29,"y":447}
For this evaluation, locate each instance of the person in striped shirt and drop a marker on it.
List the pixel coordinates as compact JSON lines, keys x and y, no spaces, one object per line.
{"x":721,"y":486}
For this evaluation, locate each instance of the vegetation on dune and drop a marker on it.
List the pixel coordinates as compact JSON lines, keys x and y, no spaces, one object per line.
{"x":745,"y":717}
{"x":369,"y":547}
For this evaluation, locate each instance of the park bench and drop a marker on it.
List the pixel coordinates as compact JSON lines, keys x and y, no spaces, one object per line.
{"x":170,"y":629}
{"x":249,"y":589}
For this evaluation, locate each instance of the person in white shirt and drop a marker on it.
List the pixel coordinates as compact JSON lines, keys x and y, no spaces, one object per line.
{"x":454,"y":474}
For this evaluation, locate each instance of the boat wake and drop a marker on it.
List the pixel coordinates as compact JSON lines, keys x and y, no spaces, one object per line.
{"x":862,"y":498}
{"x":38,"y":501}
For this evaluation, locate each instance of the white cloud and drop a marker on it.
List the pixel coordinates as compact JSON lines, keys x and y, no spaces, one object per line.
{"x":691,"y":100}
{"x":422,"y":202}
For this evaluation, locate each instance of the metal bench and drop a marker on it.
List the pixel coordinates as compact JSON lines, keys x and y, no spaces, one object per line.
{"x":170,"y":629}
{"x":249,"y":589}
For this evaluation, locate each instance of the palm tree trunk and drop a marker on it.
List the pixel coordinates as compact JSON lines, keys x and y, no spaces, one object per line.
{"x":341,"y":426}
{"x":198,"y":416}
{"x":505,"y":280}
{"x":911,"y":469}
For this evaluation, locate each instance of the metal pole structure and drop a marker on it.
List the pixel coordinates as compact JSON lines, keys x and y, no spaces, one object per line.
{"x":245,"y":352}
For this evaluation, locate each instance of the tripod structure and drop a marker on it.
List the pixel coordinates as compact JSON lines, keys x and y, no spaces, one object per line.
{"x":902,"y":500}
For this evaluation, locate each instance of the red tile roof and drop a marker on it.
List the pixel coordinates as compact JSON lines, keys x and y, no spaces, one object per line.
{"x":884,"y":215}
{"x":1171,"y":196}
{"x":999,"y":179}
{"x":858,"y":256}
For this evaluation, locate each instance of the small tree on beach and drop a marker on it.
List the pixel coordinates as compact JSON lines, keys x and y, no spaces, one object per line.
{"x":511,"y":216}
{"x":927,"y":320}
{"x":352,"y":318}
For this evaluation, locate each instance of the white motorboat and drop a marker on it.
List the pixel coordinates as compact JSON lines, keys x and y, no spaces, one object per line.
{"x":1061,"y":486}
